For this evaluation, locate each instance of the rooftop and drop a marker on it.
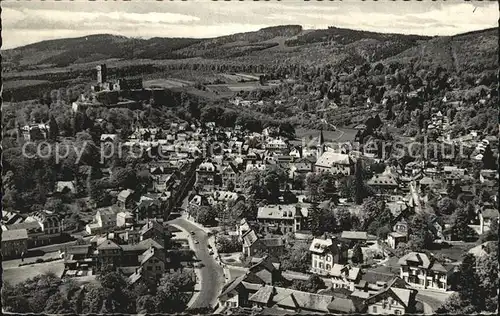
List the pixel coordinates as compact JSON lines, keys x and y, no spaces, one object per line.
{"x":15,"y":234}
{"x":330,"y":158}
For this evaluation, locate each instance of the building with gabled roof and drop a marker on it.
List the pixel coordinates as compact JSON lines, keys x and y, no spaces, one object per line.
{"x":266,"y":270}
{"x":422,"y":271}
{"x":344,"y":276}
{"x":294,"y":301}
{"x":252,"y":244}
{"x":385,"y":182}
{"x":229,"y":175}
{"x":236,"y":292}
{"x":125,"y":199}
{"x":334,"y":162}
{"x":14,"y":242}
{"x":152,"y":265}
{"x":224,"y":197}
{"x":354,"y":236}
{"x":283,"y":219}
{"x":104,"y":220}
{"x":63,"y":187}
{"x":9,"y":218}
{"x":325,"y":252}
{"x":205,"y":173}
{"x":395,"y":299}
{"x":108,"y":253}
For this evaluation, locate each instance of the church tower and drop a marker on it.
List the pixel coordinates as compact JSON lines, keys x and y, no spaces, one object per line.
{"x":321,"y":144}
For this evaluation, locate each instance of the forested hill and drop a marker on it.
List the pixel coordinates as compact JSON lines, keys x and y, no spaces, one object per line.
{"x":280,"y":44}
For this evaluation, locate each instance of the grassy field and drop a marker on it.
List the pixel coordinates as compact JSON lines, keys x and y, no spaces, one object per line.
{"x":456,"y":251}
{"x":166,"y":83}
{"x":340,"y":135}
{"x":22,"y":83}
{"x":20,"y":274}
{"x":240,"y":86}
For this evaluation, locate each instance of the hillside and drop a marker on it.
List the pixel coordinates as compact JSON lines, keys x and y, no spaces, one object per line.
{"x":471,"y":52}
{"x":56,"y":63}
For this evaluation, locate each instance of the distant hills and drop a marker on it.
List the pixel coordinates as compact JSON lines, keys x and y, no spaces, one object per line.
{"x":474,"y":51}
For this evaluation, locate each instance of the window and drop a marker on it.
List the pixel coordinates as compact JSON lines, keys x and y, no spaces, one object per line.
{"x":328,"y":258}
{"x":397,"y":312}
{"x":149,"y":268}
{"x":158,"y":268}
{"x":374,"y":309}
{"x":328,"y":267}
{"x":321,"y":265}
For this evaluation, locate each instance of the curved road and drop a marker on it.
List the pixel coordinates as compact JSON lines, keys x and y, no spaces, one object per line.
{"x":212,"y":275}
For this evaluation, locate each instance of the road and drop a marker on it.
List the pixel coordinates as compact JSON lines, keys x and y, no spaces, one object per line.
{"x":212,"y":275}
{"x":416,"y":198}
{"x":433,"y":302}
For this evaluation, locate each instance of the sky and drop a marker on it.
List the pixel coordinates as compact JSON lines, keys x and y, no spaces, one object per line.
{"x":28,"y":22}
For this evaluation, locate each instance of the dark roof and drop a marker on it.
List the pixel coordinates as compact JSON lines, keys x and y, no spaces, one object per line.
{"x":265,"y":263}
{"x":276,"y":311}
{"x":232,"y":285}
{"x":29,"y":226}
{"x":272,"y":242}
{"x":371,"y":276}
{"x":107,"y":245}
{"x":77,"y":250}
{"x":346,"y":305}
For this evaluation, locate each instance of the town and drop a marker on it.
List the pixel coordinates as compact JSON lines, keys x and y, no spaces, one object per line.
{"x":252,"y":222}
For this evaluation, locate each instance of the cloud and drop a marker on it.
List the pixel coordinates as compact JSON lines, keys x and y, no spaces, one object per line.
{"x":28,"y":22}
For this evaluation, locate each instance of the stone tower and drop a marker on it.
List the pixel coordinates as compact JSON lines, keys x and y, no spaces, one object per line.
{"x":102,"y":73}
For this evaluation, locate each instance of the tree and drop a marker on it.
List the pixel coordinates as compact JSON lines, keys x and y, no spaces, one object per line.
{"x":357,"y":254}
{"x":373,"y":208}
{"x":273,"y":179}
{"x":320,"y":186}
{"x":359,"y":186}
{"x":94,"y":298}
{"x":487,"y":274}
{"x":124,"y":178}
{"x":253,"y":185}
{"x":468,"y":284}
{"x":53,"y":129}
{"x":344,"y":219}
{"x":311,"y":285}
{"x":420,"y":234}
{"x":58,"y":304}
{"x":460,"y":229}
{"x":145,"y":304}
{"x":228,"y":244}
{"x":489,"y":160}
{"x":206,"y":215}
{"x":446,"y":206}
{"x":296,"y":258}
{"x":171,"y":293}
{"x":403,"y":249}
{"x":289,"y":197}
{"x":454,"y":305}
{"x":492,"y":233}
{"x":323,"y":220}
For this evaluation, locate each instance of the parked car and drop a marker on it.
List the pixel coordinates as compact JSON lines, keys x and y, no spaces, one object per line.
{"x":192,"y":232}
{"x":211,"y":252}
{"x":199,"y":265}
{"x":196,"y":242}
